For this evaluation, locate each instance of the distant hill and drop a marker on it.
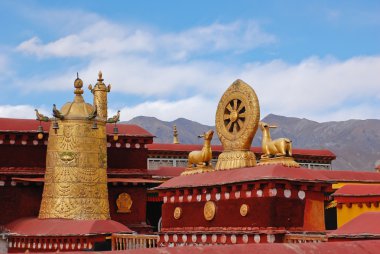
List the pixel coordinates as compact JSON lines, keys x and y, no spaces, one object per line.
{"x":188,"y":130}
{"x":355,"y":142}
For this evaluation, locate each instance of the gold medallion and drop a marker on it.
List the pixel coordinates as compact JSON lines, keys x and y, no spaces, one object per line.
{"x":177,"y":213}
{"x":244,"y":209}
{"x":209,"y":210}
{"x":124,"y":203}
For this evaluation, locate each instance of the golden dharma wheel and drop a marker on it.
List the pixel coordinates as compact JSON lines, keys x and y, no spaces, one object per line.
{"x":237,"y":116}
{"x":236,"y":122}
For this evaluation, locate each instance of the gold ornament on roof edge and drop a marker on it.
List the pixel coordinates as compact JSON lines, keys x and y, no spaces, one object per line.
{"x":278,"y":151}
{"x":236,"y":121}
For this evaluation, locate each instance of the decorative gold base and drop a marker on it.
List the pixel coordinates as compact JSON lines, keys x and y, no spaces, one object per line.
{"x":235,"y":159}
{"x":286,"y":161}
{"x":197,"y":170}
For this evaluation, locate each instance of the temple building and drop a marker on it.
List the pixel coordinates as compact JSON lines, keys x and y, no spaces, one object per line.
{"x":64,"y":202}
{"x":81,"y":181}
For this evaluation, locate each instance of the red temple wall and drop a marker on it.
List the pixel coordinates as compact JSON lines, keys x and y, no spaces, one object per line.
{"x":24,"y":201}
{"x":138,"y":209}
{"x":22,"y":156}
{"x":263,"y":212}
{"x":314,"y":219}
{"x":135,"y":158}
{"x":19,"y":201}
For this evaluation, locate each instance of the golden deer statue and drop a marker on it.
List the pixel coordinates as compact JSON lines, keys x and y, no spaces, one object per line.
{"x":274,"y":148}
{"x":203,"y":157}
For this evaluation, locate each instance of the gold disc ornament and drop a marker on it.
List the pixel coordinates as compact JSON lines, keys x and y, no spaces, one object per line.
{"x":209,"y":210}
{"x":124,"y":203}
{"x":177,"y":213}
{"x":244,"y":209}
{"x":237,"y":119}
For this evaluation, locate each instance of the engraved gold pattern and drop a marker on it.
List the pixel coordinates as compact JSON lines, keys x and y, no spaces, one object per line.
{"x":236,"y":122}
{"x":177,"y":213}
{"x":244,"y":209}
{"x":76,"y":163}
{"x":209,"y":210}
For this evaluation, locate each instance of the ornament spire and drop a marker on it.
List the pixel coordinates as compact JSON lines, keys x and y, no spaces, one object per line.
{"x":175,"y":135}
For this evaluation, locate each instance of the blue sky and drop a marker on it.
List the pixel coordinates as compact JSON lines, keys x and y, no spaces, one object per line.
{"x":314,"y":59}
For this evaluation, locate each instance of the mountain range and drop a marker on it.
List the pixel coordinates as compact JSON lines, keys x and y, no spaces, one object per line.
{"x":356,"y":143}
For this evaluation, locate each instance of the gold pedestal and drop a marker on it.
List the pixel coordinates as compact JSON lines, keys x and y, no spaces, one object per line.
{"x":286,"y":161}
{"x":197,"y":170}
{"x":235,"y":159}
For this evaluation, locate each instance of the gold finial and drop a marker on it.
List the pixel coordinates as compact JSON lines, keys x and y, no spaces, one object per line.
{"x":175,"y":135}
{"x":78,"y":84}
{"x":100,"y":76}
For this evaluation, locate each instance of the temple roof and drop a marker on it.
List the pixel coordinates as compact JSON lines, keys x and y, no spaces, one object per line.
{"x":268,"y":172}
{"x":366,"y":225}
{"x":54,"y":227}
{"x":31,"y":125}
{"x":358,"y":191}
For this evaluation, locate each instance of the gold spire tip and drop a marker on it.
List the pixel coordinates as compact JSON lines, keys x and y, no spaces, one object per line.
{"x":78,"y":84}
{"x":100,"y":75}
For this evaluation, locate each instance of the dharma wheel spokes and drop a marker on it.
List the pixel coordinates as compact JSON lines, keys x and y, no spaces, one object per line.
{"x":234,"y":116}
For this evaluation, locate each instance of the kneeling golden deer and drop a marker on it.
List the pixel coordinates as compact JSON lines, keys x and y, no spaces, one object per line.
{"x":274,"y":148}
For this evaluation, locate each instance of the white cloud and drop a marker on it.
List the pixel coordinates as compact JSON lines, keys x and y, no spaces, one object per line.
{"x":19,"y":111}
{"x":361,"y":111}
{"x":106,"y":39}
{"x":196,"y":108}
{"x":315,"y":87}
{"x":101,"y":39}
{"x":172,"y":71}
{"x":318,"y":89}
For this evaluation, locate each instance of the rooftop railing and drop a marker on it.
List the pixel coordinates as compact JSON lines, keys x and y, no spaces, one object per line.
{"x":133,"y":241}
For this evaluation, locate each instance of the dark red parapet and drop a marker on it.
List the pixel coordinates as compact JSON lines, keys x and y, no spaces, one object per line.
{"x":166,"y":172}
{"x":273,"y":172}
